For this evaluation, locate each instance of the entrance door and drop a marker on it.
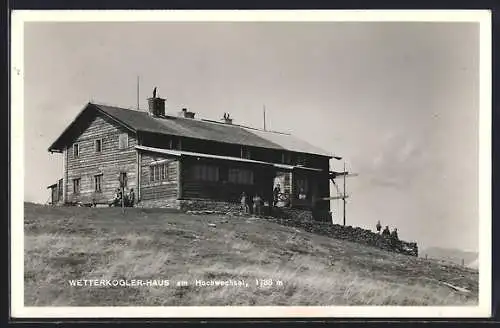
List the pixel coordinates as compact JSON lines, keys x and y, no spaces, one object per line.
{"x":59,"y":194}
{"x":283,"y":180}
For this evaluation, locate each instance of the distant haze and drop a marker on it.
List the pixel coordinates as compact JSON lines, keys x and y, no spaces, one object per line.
{"x":399,"y":101}
{"x":456,"y":256}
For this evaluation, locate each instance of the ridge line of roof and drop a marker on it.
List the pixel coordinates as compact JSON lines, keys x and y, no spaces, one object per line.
{"x":167,"y":116}
{"x":246,"y":127}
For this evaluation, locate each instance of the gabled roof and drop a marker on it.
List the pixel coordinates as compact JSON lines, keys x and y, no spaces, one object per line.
{"x":141,"y":121}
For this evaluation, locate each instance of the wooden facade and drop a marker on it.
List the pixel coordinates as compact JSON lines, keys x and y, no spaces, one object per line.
{"x":163,"y":166}
{"x":224,"y":180}
{"x":158,"y":177}
{"x":98,"y":170}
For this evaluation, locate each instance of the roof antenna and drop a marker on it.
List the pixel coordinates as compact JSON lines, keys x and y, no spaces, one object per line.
{"x":264,"y":117}
{"x":137,"y":92}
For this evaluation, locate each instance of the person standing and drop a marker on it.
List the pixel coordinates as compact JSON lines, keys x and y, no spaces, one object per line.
{"x":378,"y":226}
{"x":394,"y":234}
{"x":302,"y":194}
{"x":257,"y":204}
{"x":276,"y":194}
{"x":244,"y":203}
{"x":131,"y":197}
{"x":394,"y":239}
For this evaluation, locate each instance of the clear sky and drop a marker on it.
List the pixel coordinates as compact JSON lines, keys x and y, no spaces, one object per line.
{"x":399,"y":101}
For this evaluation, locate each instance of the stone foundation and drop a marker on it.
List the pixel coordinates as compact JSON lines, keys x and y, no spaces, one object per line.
{"x":159,"y":203}
{"x":303,"y":214}
{"x":208,"y":205}
{"x":296,"y":214}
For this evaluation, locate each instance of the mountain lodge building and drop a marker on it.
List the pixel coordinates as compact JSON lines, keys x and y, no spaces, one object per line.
{"x":171,"y":159}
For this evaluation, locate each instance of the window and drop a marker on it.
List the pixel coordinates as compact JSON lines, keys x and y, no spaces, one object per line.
{"x":286,"y":158}
{"x":301,"y":160}
{"x":158,"y":172}
{"x":76,"y":186}
{"x":123,"y":179}
{"x":98,"y":183}
{"x":98,"y":145}
{"x":162,"y":172}
{"x":287,"y":182}
{"x":123,"y":141}
{"x":76,"y":150}
{"x":240,"y":176}
{"x":206,"y":173}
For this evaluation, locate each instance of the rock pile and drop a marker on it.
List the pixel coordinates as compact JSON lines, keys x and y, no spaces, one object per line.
{"x":205,"y":205}
{"x":296,"y":219}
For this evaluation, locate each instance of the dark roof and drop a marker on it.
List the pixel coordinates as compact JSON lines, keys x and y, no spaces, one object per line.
{"x":141,"y":121}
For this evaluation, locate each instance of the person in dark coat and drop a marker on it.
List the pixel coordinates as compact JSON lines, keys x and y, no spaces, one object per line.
{"x":386,"y":231}
{"x":276,"y":194}
{"x":395,"y":239}
{"x":257,"y":205}
{"x":131,"y":198}
{"x":394,"y":234}
{"x":378,"y":226}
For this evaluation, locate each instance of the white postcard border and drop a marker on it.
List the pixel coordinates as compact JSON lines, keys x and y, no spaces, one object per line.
{"x":18,"y":18}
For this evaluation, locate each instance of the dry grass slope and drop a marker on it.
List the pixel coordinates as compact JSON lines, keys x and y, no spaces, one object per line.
{"x":84,"y":243}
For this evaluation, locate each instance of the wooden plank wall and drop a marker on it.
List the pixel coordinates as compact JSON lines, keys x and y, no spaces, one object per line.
{"x":110,"y":161}
{"x":223,"y":190}
{"x":158,"y":189}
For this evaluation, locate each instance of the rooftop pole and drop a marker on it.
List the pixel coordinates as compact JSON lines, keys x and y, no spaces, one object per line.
{"x":343,"y":197}
{"x":137,"y":92}
{"x":264,"y":110}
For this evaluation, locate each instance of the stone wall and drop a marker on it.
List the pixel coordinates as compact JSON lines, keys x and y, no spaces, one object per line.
{"x":297,"y":214}
{"x":296,"y":219}
{"x":195,"y":205}
{"x":159,"y":203}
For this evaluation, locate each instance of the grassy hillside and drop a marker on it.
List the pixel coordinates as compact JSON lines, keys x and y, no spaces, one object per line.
{"x":84,"y":243}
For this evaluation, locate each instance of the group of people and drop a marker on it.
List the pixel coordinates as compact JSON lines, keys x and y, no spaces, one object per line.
{"x":386,"y":232}
{"x":256,"y":204}
{"x":127,"y":198}
{"x":252,"y":205}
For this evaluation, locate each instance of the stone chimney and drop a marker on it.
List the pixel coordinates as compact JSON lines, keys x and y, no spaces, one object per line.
{"x":156,"y":105}
{"x":227,"y":119}
{"x":186,"y":114}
